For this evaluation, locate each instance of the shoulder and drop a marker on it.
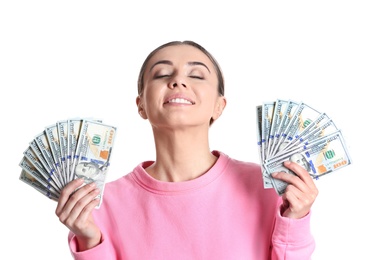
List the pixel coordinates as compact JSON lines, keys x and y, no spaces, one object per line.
{"x":238,"y":166}
{"x":246,"y":172}
{"x":247,"y":176}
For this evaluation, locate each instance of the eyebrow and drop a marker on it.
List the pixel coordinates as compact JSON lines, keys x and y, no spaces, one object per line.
{"x":191,"y":63}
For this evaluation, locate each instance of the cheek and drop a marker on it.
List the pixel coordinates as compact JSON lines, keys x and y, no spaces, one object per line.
{"x":211,"y":98}
{"x":149,"y":94}
{"x":211,"y":107}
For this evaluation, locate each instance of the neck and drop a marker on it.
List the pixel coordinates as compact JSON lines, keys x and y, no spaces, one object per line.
{"x":181,"y":155}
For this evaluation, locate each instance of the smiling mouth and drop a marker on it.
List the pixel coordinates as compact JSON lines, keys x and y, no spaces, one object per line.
{"x":180,"y":101}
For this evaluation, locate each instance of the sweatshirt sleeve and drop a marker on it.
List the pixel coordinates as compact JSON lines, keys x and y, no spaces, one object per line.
{"x":292,"y":238}
{"x":99,"y":252}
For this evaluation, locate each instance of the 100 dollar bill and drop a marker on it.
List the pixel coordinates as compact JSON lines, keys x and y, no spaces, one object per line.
{"x":319,"y":157}
{"x":93,"y":151}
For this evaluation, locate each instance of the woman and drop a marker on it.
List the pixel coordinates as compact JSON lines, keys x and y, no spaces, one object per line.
{"x":191,"y":202}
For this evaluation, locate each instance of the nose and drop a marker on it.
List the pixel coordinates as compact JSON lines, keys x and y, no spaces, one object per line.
{"x":177,"y":81}
{"x":175,"y":84}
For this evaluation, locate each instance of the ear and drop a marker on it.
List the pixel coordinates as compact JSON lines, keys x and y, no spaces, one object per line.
{"x":140,"y":107}
{"x":219,"y":108}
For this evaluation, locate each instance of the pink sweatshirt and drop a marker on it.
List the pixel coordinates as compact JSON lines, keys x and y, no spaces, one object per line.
{"x":224,"y":214}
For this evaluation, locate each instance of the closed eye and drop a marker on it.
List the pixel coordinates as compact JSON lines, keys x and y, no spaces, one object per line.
{"x":161,"y":76}
{"x":196,"y":77}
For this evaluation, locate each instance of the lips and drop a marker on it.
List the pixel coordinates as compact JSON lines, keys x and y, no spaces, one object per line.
{"x":179,"y":99}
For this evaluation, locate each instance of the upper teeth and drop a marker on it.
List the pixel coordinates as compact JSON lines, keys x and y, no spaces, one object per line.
{"x":179,"y":100}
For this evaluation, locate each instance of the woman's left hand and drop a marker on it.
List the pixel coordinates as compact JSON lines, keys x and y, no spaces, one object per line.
{"x":300,"y":193}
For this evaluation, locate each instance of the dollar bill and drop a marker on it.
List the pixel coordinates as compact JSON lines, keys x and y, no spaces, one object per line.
{"x":52,"y":135}
{"x":31,"y":156}
{"x":281,"y":132}
{"x":317,"y":131}
{"x":319,"y":157}
{"x":31,"y":181}
{"x":267,"y":113}
{"x":62,"y":128}
{"x":93,"y":151}
{"x":74,"y":127}
{"x":27,"y":166}
{"x":266,"y":178}
{"x":42,"y":159}
{"x":302,"y":116}
{"x":280,"y":106}
{"x":68,"y":149}
{"x":305,"y":128}
{"x":289,"y":130}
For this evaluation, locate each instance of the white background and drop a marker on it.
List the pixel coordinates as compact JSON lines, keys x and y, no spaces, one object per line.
{"x":63,"y":59}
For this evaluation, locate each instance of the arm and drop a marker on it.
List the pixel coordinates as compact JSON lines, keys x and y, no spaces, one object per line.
{"x":291,"y":238}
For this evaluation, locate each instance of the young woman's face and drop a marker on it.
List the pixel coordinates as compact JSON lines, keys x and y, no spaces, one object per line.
{"x":180,"y":88}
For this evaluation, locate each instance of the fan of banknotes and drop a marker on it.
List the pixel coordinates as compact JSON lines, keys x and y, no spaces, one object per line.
{"x":289,"y":130}
{"x":68,"y":149}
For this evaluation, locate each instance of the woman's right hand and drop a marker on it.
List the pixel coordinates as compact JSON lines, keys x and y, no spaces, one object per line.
{"x":74,"y":210}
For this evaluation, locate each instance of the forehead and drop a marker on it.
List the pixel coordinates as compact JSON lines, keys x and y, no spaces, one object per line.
{"x":180,"y":54}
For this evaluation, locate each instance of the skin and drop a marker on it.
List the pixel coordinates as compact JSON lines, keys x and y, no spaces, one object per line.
{"x":180,"y":131}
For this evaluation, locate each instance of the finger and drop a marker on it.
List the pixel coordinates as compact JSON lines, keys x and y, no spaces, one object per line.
{"x":296,"y":207}
{"x":290,"y":196}
{"x":85,"y":213}
{"x":301,"y":197}
{"x":82,"y":208}
{"x":292,"y":180}
{"x":74,"y":198}
{"x":66,"y":193}
{"x":301,"y":173}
